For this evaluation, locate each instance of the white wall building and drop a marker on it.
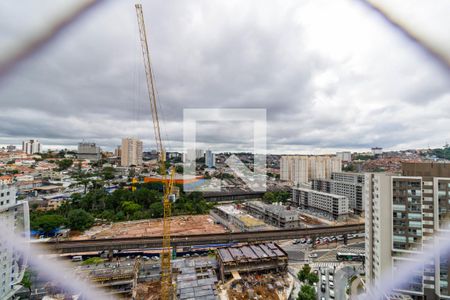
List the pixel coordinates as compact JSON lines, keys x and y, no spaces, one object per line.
{"x":333,"y":205}
{"x":131,"y":152}
{"x":404,"y":214}
{"x":345,"y":156}
{"x":14,"y":219}
{"x":31,"y":146}
{"x":193,"y":154}
{"x":303,"y":168}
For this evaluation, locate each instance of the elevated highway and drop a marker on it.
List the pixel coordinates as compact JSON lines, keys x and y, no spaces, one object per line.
{"x":67,"y":247}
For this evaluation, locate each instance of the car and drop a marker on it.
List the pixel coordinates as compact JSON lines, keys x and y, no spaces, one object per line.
{"x":323,"y":287}
{"x":313,"y":255}
{"x":302,"y":240}
{"x":309,"y":241}
{"x":324,"y":278}
{"x":322,"y":271}
{"x":331,"y":294}
{"x":295,"y":242}
{"x":330,"y":278}
{"x":331,"y":284}
{"x":330,"y":271}
{"x":322,"y":298}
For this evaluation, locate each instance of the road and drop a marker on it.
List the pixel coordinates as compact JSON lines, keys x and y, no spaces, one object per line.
{"x":325,"y":261}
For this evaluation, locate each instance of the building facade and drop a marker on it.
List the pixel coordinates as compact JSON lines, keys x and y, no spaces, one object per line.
{"x":346,"y":184}
{"x":88,"y":151}
{"x":210,"y":159}
{"x":303,"y":168}
{"x":335,"y":206}
{"x":345,"y":156}
{"x":14,"y":220}
{"x":31,"y":146}
{"x":275,"y":214}
{"x":406,"y":217}
{"x":131,"y":152}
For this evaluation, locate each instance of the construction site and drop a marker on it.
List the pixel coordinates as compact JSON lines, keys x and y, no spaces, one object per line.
{"x":255,"y":271}
{"x":230,"y":273}
{"x":179,"y":225}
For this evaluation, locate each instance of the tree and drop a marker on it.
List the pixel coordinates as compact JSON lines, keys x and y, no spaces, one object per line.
{"x":48,"y":223}
{"x":179,"y":169}
{"x":312,"y":278}
{"x":108,"y":173}
{"x":26,"y":281}
{"x":64,"y":164}
{"x":129,"y":208}
{"x":302,"y":275}
{"x":79,"y":219}
{"x":307,"y":292}
{"x":157,"y":210}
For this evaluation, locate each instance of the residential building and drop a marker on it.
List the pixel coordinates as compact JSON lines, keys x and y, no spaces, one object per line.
{"x":131,"y":152}
{"x":377,"y":150}
{"x":10,"y":148}
{"x":334,"y":206}
{"x":275,"y":214}
{"x":210,"y":159}
{"x":406,"y":216}
{"x":118,"y":151}
{"x":14,"y":220}
{"x":193,"y":154}
{"x":31,"y":146}
{"x":303,"y":168}
{"x":345,"y":156}
{"x":88,"y":151}
{"x":346,"y":184}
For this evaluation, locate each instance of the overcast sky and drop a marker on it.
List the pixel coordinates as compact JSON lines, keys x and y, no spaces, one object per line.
{"x":332,"y":75}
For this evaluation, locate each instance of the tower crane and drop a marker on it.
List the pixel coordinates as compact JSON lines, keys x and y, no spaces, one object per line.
{"x":166,"y":270}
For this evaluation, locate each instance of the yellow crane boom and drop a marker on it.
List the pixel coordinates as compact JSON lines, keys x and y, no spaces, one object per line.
{"x":166,"y":270}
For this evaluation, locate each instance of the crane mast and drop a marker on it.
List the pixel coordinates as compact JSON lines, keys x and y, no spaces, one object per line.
{"x":166,"y":270}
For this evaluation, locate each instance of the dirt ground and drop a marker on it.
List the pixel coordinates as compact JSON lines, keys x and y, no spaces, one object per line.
{"x":198,"y":224}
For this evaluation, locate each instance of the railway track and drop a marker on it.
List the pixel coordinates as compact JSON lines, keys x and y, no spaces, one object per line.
{"x":56,"y":246}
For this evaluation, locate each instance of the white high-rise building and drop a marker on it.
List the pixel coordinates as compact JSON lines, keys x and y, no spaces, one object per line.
{"x":345,"y":156}
{"x":14,"y":220}
{"x":406,"y":217}
{"x":303,"y":168}
{"x":210,"y":159}
{"x":31,"y":146}
{"x":193,"y":154}
{"x":131,"y":152}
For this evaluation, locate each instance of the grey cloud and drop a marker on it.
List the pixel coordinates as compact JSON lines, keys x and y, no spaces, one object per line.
{"x":90,"y":84}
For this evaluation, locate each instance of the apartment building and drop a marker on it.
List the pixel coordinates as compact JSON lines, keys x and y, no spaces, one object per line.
{"x":275,"y":214}
{"x":31,"y":146}
{"x":335,"y":206}
{"x":303,"y":168}
{"x":88,"y":151}
{"x":346,"y":184}
{"x":14,"y":219}
{"x":210,"y":159}
{"x":131,"y":152}
{"x":406,"y":216}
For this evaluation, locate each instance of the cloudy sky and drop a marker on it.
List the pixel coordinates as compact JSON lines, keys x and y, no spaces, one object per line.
{"x":331,"y":75}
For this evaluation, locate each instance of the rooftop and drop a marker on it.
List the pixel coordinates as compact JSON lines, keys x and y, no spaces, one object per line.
{"x":251,"y":252}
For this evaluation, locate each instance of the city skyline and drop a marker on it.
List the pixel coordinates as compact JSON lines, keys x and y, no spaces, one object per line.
{"x":325,"y":87}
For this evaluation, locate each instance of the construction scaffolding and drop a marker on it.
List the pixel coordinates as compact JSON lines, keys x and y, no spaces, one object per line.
{"x":251,"y":258}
